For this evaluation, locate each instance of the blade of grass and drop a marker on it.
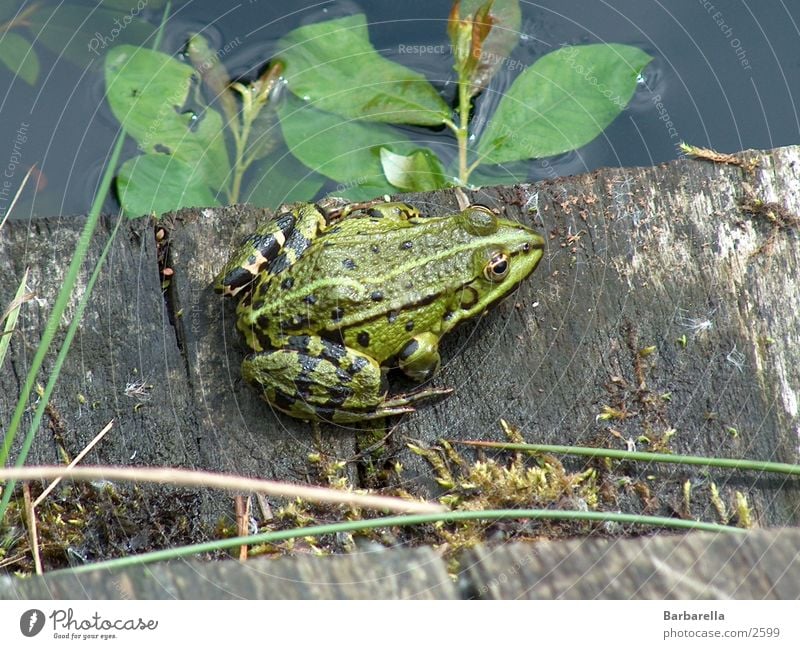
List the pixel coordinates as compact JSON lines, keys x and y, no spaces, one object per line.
{"x":396,"y":521}
{"x":11,"y":315}
{"x":639,"y":456}
{"x":41,"y":350}
{"x":59,"y":307}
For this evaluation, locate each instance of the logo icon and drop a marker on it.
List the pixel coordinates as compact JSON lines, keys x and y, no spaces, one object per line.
{"x":31,"y":622}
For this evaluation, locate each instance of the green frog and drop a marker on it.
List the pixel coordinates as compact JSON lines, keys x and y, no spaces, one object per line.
{"x":331,"y":300}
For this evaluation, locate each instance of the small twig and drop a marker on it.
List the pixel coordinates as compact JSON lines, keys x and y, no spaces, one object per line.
{"x":188,"y":478}
{"x":33,"y":535}
{"x":242,"y":506}
{"x":77,"y":459}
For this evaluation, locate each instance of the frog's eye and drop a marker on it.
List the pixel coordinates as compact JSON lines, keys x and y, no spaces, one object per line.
{"x":479,"y":220}
{"x":497,"y":268}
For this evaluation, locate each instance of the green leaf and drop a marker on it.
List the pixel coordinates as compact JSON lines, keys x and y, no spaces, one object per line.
{"x":346,"y":151}
{"x":18,"y":55}
{"x":333,"y":65}
{"x":421,"y":171}
{"x":147,"y":91}
{"x":282,"y":180}
{"x":505,"y":17}
{"x":158,"y":183}
{"x":562,"y":102}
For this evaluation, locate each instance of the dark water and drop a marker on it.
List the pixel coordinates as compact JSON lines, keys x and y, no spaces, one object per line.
{"x":725,"y":75}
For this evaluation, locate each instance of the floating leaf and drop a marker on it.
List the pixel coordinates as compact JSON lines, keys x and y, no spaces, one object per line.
{"x":18,"y":55}
{"x":282,"y":180}
{"x":346,"y":151}
{"x":333,"y":65}
{"x":562,"y":102}
{"x":421,"y":171}
{"x":147,"y":91}
{"x":158,"y":183}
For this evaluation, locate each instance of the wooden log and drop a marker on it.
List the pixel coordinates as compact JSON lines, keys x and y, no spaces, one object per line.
{"x":386,"y":574}
{"x":663,"y":259}
{"x":759,"y":565}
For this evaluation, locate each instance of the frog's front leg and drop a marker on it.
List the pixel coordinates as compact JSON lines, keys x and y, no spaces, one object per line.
{"x":419,"y":359}
{"x":316,"y":379}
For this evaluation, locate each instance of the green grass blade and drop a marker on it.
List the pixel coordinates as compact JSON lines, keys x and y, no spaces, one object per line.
{"x":639,"y":456}
{"x":11,"y":318}
{"x":56,"y":371}
{"x":59,"y":307}
{"x":392,"y":521}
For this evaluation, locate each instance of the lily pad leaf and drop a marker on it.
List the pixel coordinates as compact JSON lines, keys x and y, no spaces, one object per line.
{"x":333,"y":66}
{"x":563,"y":101}
{"x":158,"y":183}
{"x":18,"y":55}
{"x":345,"y":151}
{"x":421,"y":171}
{"x":147,"y":92}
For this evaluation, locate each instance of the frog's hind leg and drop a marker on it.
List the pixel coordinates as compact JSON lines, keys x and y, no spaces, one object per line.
{"x":319,"y":380}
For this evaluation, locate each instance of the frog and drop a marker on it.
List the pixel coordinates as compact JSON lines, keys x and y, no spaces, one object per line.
{"x":331,"y":300}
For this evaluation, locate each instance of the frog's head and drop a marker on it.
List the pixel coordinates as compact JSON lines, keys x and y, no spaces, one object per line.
{"x":503,"y":253}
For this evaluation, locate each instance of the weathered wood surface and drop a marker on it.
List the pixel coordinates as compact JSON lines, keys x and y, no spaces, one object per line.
{"x":757,"y":565}
{"x":636,"y":258}
{"x":761,"y":564}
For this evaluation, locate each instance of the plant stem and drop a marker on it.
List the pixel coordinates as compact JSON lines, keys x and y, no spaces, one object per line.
{"x":462,"y":134}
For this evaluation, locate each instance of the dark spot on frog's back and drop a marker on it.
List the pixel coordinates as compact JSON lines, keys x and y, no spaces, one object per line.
{"x":349,"y":264}
{"x":376,"y":296}
{"x":392,"y":316}
{"x":287,"y":283}
{"x":337,"y":314}
{"x":363,"y":338}
{"x":406,"y":245}
{"x":410,"y":325}
{"x":310,"y":299}
{"x":376,"y":249}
